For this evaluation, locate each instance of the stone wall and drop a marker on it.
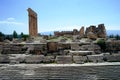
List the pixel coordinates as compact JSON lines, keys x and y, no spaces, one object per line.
{"x":80,"y":59}
{"x":52,"y":46}
{"x":95,"y":58}
{"x":94,"y":32}
{"x":91,"y":32}
{"x":113,"y":45}
{"x":64,"y":59}
{"x":13,"y":49}
{"x":58,"y":59}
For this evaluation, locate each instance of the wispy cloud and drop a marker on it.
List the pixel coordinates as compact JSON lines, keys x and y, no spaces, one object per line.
{"x":11,"y":21}
{"x":65,"y":28}
{"x":62,"y":28}
{"x":8,"y":25}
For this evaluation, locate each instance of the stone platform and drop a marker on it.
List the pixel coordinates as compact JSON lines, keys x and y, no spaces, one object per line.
{"x":88,"y":71}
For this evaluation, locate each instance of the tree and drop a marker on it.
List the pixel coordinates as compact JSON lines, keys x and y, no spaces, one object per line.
{"x":21,"y":35}
{"x":25,"y":37}
{"x":2,"y":36}
{"x":111,"y":36}
{"x":102,"y":44}
{"x":8,"y":37}
{"x":15,"y":35}
{"x":117,"y":37}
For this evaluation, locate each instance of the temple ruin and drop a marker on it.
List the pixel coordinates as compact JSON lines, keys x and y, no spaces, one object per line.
{"x":33,"y":32}
{"x":91,"y":32}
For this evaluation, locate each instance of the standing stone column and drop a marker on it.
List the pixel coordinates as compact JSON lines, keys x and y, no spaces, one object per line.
{"x":33,"y":31}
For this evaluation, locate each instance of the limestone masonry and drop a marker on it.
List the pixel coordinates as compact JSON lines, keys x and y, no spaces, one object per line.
{"x":91,"y":32}
{"x":33,"y":31}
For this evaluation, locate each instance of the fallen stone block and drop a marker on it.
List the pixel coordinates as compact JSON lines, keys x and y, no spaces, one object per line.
{"x":81,"y":53}
{"x":113,"y":58}
{"x":49,"y":59}
{"x":64,"y":59}
{"x":79,"y":59}
{"x":34,"y":59}
{"x":95,"y":58}
{"x":4,"y":59}
{"x":52,"y":46}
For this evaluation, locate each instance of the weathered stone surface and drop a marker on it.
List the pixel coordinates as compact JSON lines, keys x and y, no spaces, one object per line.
{"x":1,"y":48}
{"x":64,"y":59}
{"x":39,"y":49}
{"x":49,"y":59}
{"x":17,"y":40}
{"x":34,"y":59}
{"x":63,"y":40}
{"x":80,"y":53}
{"x":81,"y":32}
{"x":6,"y":41}
{"x":91,"y":47}
{"x":30,"y":40}
{"x":113,"y":58}
{"x":75,"y":46}
{"x":62,"y":45}
{"x":76,"y":38}
{"x":90,"y":29}
{"x":95,"y":58}
{"x":97,"y":32}
{"x":17,"y":58}
{"x":52,"y":46}
{"x":91,"y":35}
{"x":101,"y":31}
{"x":113,"y":45}
{"x":12,"y":49}
{"x":75,"y":32}
{"x":43,"y":41}
{"x":79,"y":59}
{"x":4,"y":59}
{"x":57,"y":33}
{"x":32,"y":23}
{"x":24,"y":48}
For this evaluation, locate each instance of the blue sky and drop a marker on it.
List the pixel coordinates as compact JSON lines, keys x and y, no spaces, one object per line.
{"x":59,"y":14}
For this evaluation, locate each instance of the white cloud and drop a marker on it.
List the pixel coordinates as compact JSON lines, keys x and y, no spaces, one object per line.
{"x":61,"y":28}
{"x":11,"y":21}
{"x":8,"y":25}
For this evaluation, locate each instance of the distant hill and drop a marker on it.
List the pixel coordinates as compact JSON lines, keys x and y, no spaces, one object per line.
{"x":114,"y":32}
{"x":47,"y":33}
{"x":109,"y":32}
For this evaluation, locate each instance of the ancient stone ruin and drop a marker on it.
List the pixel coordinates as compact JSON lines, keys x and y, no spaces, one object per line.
{"x":96,"y":32}
{"x":91,"y":32}
{"x":63,"y":48}
{"x":33,"y":32}
{"x":81,"y":32}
